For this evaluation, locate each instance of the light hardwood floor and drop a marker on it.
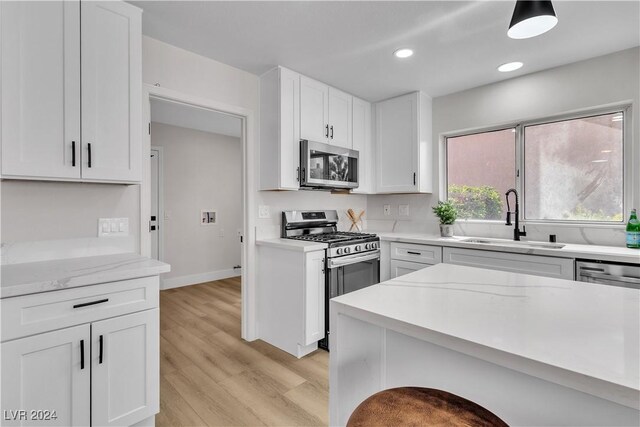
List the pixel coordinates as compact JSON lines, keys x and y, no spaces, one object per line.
{"x":210,"y":376}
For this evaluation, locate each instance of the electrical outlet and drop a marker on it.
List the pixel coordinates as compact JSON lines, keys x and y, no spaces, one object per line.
{"x":221,"y":232}
{"x":387,"y":210}
{"x":167,"y":215}
{"x":264,"y":212}
{"x":403,"y":210}
{"x":208,"y":217}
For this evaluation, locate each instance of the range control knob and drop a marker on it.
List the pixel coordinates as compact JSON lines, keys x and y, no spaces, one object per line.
{"x":347,"y":250}
{"x":339,"y":251}
{"x":358,"y":248}
{"x":367,"y":246}
{"x":374,"y":245}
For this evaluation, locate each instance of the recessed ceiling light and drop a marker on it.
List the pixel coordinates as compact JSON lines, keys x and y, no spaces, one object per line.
{"x":510,"y":66}
{"x":531,"y":18}
{"x":606,"y":151}
{"x":599,"y":161}
{"x":403,"y":53}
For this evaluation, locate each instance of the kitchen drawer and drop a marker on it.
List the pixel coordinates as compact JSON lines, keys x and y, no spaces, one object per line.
{"x":560,"y":268}
{"x":400,"y":268}
{"x":33,"y":314}
{"x":423,"y":254}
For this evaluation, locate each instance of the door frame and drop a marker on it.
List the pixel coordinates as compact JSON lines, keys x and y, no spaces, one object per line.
{"x":249,"y":189}
{"x":160,"y":219}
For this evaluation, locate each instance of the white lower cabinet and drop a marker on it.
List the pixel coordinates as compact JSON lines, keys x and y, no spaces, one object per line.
{"x":400,"y":268}
{"x":409,"y":257}
{"x":49,"y":373}
{"x":537,"y":265}
{"x":103,"y":372}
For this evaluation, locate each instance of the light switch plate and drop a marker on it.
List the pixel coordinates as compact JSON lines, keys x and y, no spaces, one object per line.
{"x":113,"y":227}
{"x":387,"y":210}
{"x":264,"y":212}
{"x":403,"y":210}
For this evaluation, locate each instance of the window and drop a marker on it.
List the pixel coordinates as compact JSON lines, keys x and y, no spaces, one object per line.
{"x":571,"y":170}
{"x":480,"y":169}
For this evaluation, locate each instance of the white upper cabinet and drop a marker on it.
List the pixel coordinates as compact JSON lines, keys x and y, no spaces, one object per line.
{"x":279,"y":130}
{"x":111,"y":91}
{"x":40,"y":81}
{"x":340,"y":119}
{"x":363,"y":143}
{"x":314,"y":110}
{"x":71,"y":79}
{"x":403,"y":144}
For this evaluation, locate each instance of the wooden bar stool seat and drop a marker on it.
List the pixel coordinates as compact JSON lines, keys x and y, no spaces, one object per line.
{"x":417,"y":406}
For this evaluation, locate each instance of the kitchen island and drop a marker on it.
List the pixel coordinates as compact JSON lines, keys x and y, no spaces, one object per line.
{"x":533,"y":350}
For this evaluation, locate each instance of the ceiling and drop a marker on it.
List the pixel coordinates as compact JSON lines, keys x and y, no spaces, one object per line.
{"x":349,"y":44}
{"x":190,"y":117}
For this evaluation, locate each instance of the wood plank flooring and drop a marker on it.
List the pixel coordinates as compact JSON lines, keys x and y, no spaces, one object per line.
{"x":210,"y":376}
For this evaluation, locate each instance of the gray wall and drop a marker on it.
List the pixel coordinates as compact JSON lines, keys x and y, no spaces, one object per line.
{"x":583,"y":85}
{"x":201,"y":170}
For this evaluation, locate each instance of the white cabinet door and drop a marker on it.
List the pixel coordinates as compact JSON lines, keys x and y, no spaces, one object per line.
{"x":340,"y":105}
{"x":289,"y":129}
{"x":111,"y":91}
{"x":124,"y":384}
{"x":537,"y":265}
{"x":397,"y":144}
{"x":400,"y":268}
{"x":314,"y":297}
{"x":314,"y":110}
{"x":361,"y":125}
{"x":40,"y":85}
{"x":46,"y":372}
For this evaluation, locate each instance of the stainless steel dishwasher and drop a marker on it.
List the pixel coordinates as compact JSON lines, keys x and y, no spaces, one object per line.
{"x":625,"y":275}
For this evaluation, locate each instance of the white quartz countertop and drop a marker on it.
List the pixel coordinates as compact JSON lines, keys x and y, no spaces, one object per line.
{"x":593,"y":252}
{"x":36,"y":277}
{"x":581,"y":335}
{"x":292,"y":245}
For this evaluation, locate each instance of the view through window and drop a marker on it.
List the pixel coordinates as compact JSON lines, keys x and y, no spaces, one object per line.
{"x":572,"y":169}
{"x":481,"y":168}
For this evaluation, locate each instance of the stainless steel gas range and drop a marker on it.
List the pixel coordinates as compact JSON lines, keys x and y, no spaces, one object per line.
{"x":352,"y":260}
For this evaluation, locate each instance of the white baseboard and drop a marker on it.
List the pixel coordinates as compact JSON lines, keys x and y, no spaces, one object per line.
{"x":193,"y":279}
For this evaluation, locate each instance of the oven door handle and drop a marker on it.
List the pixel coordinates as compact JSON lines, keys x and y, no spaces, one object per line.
{"x":348,"y":260}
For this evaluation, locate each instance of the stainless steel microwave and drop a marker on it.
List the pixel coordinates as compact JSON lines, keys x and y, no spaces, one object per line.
{"x":327,"y":166}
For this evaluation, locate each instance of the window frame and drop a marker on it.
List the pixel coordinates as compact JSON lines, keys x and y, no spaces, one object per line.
{"x":627,"y":161}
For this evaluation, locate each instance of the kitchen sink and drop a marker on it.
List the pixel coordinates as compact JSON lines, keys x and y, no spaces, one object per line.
{"x":540,"y":245}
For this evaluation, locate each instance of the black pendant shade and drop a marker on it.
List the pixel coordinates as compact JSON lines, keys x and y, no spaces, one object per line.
{"x":532,"y":18}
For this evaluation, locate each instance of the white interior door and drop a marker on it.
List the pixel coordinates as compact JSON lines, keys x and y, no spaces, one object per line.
{"x":154,"y":219}
{"x":125,"y":369}
{"x":40,"y":85}
{"x":47,"y":372}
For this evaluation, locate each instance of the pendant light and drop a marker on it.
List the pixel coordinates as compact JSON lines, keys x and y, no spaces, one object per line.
{"x":531,"y":18}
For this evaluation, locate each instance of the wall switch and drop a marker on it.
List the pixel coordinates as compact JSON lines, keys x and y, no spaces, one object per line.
{"x":387,"y":210}
{"x":113,"y":227}
{"x":264,"y":212}
{"x":403,"y":210}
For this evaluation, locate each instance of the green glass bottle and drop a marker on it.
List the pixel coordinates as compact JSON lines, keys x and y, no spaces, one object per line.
{"x":633,"y":231}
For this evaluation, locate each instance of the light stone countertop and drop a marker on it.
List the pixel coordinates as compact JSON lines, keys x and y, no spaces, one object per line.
{"x":592,"y":252}
{"x":580,"y":335}
{"x":44,"y":276}
{"x":292,"y":245}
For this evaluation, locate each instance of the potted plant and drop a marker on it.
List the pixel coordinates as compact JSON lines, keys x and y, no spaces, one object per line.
{"x":447,"y":213}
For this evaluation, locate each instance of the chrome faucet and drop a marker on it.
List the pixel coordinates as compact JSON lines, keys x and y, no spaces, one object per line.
{"x":516,"y":230}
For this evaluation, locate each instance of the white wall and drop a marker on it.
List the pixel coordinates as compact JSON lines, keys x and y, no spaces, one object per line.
{"x":583,"y":85}
{"x":201,"y":171}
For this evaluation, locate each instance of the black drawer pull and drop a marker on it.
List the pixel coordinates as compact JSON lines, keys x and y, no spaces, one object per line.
{"x":73,"y":153}
{"x":84,"y":304}
{"x":81,"y":354}
{"x":89,"y":153}
{"x":413,"y":253}
{"x":100,"y":353}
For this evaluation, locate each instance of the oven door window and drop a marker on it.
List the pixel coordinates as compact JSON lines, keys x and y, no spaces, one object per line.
{"x":353,"y":277}
{"x":332,"y":167}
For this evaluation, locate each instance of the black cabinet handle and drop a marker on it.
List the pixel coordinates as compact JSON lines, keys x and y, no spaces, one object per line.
{"x":326,"y":131}
{"x":100,"y":352}
{"x":84,"y":304}
{"x":89,"y":153}
{"x":331,"y":132}
{"x":81,"y":354}
{"x":298,"y":174}
{"x":73,"y":154}
{"x":413,"y":253}
{"x":302,"y":172}
{"x":414,"y":178}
